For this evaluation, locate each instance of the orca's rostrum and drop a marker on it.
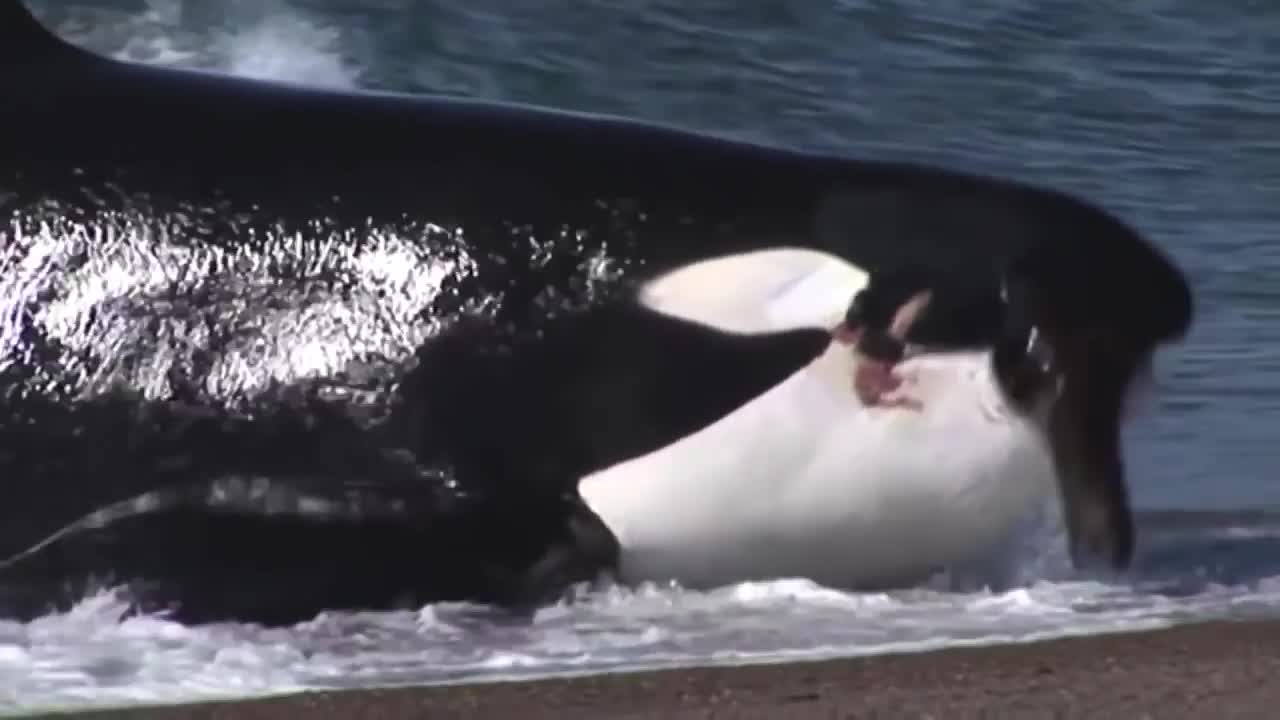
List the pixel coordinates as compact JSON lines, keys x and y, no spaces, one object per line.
{"x":270,"y":350}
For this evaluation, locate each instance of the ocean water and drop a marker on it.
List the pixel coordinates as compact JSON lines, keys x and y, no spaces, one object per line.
{"x":1166,"y":111}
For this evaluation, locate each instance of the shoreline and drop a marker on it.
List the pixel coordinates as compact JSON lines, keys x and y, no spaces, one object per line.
{"x":1196,"y":670}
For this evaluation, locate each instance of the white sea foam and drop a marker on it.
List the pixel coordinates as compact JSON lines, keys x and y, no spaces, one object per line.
{"x":91,"y":657}
{"x":265,"y":39}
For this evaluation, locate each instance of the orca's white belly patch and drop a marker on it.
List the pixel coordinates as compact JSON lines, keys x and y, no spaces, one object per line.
{"x":805,"y":481}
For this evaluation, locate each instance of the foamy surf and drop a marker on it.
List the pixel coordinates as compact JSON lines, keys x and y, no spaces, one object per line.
{"x":91,"y":656}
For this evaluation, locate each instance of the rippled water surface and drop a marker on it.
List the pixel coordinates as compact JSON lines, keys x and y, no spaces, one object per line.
{"x":1165,"y":111}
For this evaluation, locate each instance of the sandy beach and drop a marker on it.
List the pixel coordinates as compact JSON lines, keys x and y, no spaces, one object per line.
{"x":1220,"y":670}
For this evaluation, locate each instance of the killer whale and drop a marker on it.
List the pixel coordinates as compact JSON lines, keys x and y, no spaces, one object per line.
{"x":548,"y":223}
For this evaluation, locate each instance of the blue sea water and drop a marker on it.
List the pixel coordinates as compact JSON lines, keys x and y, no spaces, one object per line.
{"x":1166,"y":111}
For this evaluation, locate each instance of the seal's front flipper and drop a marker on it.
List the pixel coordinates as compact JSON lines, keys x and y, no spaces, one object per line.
{"x":1078,"y":375}
{"x":1084,"y":434}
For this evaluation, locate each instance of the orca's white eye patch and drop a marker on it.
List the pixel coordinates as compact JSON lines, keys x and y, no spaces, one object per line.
{"x":758,"y":292}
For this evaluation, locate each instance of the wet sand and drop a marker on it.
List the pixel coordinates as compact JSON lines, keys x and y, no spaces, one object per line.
{"x":1209,"y":670}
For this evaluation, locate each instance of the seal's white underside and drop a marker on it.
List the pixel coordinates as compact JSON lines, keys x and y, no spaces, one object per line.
{"x":804,"y":481}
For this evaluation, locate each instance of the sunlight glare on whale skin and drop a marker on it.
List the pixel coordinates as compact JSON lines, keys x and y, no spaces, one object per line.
{"x":137,"y":293}
{"x":805,"y":481}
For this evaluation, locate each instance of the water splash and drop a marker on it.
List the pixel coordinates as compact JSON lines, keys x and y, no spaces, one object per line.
{"x":269,"y":40}
{"x":1192,"y":568}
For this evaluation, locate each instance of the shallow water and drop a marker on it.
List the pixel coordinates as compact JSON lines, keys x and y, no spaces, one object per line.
{"x":1193,"y":567}
{"x":1164,"y":110}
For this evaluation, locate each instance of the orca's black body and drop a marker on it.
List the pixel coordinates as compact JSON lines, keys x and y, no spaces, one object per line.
{"x":453,"y":475}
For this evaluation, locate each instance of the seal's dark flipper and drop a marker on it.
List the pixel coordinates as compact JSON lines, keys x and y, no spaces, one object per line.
{"x":1080,"y":375}
{"x":962,"y":312}
{"x":1085,"y":396}
{"x":1084,"y":434}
